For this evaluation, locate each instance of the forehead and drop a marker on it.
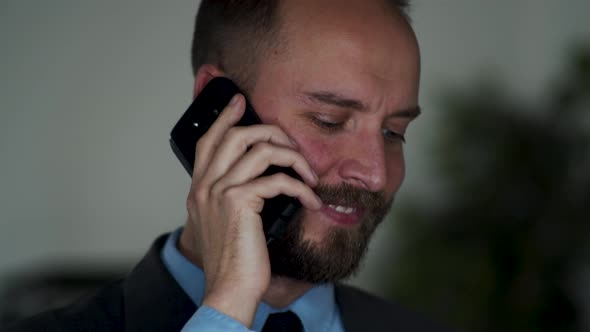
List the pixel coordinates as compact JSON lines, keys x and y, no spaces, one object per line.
{"x":347,"y":44}
{"x":368,"y":26}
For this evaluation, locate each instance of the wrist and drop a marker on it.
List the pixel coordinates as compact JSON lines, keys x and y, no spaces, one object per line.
{"x":239,"y":306}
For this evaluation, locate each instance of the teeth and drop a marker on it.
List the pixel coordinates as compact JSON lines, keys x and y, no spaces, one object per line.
{"x":342,"y":209}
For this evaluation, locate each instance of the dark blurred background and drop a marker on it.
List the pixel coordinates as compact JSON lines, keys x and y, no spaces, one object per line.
{"x":488,"y":232}
{"x":506,"y":247}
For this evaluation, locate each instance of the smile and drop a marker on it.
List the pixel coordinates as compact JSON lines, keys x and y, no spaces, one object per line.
{"x":342,"y":209}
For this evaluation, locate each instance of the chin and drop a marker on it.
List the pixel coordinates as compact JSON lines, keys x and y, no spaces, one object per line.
{"x":316,"y":250}
{"x":315,"y":229}
{"x":327,"y":245}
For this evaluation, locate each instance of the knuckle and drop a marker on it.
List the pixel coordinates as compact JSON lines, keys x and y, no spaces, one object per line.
{"x":233,"y":134}
{"x":195,"y":199}
{"x":285,"y":182}
{"x":283,"y":178}
{"x":200,"y":195}
{"x":262,"y":148}
{"x":231,"y":194}
{"x":216,"y":189}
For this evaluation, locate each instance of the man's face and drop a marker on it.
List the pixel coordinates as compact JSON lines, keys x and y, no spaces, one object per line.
{"x":345,"y":90}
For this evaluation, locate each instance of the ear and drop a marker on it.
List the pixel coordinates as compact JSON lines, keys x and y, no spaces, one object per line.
{"x":206,"y":73}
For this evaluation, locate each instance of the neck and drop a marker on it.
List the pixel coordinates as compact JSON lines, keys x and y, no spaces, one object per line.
{"x":281,"y":292}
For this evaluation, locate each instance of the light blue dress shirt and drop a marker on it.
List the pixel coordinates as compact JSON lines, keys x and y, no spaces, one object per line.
{"x":317,"y":308}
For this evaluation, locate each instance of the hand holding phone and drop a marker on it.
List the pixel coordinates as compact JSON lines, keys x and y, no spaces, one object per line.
{"x":196,"y":121}
{"x":230,"y":186}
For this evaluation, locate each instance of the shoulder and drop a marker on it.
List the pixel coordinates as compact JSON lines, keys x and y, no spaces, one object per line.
{"x":360,"y":311}
{"x":101,"y":311}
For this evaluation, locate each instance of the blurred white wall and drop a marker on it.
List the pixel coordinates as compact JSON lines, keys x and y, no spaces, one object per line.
{"x":90,"y":89}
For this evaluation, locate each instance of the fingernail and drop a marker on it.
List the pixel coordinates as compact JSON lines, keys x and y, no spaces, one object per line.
{"x":234,"y":100}
{"x":315,"y":176}
{"x":319,"y":201}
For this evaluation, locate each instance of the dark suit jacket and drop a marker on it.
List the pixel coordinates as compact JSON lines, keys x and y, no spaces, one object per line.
{"x":149,"y":299}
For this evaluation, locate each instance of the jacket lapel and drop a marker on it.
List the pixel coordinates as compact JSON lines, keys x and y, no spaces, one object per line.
{"x":361,"y":311}
{"x":153,"y":299}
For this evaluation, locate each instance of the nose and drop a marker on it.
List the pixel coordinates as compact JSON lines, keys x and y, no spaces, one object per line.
{"x":363,"y":164}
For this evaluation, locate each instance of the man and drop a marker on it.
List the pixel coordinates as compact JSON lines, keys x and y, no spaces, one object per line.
{"x":336,"y":85}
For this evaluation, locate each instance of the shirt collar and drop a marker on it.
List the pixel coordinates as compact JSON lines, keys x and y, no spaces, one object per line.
{"x":316,"y":308}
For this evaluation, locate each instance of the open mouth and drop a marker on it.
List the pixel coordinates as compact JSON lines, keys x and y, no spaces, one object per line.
{"x":342,"y":214}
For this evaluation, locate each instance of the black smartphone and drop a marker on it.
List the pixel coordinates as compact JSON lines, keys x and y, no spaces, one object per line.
{"x":195,"y":122}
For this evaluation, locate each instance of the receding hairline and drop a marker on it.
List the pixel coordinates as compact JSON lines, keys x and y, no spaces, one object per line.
{"x":261,"y":43}
{"x":399,"y":12}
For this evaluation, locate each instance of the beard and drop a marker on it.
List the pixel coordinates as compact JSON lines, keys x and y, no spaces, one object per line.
{"x":341,"y":250}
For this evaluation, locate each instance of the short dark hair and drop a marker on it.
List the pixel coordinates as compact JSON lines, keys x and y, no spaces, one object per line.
{"x":235,"y":34}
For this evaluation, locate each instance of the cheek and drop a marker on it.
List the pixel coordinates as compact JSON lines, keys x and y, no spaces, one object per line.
{"x":315,"y":150}
{"x":324,"y":156}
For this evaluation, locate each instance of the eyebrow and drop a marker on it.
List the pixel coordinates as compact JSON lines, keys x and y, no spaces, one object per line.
{"x":334,"y":99}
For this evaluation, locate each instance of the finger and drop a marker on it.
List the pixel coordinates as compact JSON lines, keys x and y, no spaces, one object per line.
{"x":235,"y":144}
{"x":207,"y":144}
{"x":258,"y":159}
{"x":271,"y":186}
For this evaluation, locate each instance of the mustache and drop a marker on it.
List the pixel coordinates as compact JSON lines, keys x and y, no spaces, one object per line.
{"x":346,"y":194}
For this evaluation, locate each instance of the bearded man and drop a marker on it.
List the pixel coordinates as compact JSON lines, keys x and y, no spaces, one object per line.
{"x":335,"y":84}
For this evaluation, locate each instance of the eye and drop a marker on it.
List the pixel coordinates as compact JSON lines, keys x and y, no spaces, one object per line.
{"x":393,"y":136}
{"x":327,"y":125}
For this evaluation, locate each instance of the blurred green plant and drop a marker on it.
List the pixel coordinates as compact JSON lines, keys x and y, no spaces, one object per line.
{"x":499,"y":250}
